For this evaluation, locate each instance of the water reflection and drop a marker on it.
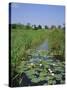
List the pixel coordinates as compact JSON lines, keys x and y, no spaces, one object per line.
{"x":40,"y":53}
{"x":44,"y":45}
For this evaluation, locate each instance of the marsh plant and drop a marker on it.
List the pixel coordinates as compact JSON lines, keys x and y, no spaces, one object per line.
{"x":31,"y":65}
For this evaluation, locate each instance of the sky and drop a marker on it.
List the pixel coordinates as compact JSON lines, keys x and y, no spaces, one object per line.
{"x":37,"y":14}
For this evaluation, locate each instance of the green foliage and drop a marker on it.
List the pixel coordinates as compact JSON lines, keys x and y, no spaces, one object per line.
{"x":59,"y":26}
{"x":14,"y":26}
{"x":24,"y":43}
{"x":56,"y":42}
{"x":39,"y":27}
{"x":38,"y":74}
{"x":46,"y":27}
{"x":28,"y":26}
{"x":53,"y":27}
{"x":21,"y":42}
{"x":35,"y":27}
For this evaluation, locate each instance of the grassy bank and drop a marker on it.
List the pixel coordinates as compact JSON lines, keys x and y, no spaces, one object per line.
{"x":22,"y":40}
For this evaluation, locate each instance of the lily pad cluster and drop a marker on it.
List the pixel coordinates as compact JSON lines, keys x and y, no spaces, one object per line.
{"x":45,"y":72}
{"x":39,"y":71}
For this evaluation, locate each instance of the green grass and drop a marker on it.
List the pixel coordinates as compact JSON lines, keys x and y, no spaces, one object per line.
{"x":24,"y":42}
{"x":57,"y":41}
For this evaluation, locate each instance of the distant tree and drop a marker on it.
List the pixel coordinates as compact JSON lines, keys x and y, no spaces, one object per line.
{"x":39,"y":27}
{"x":13,"y":26}
{"x":59,"y":26}
{"x":28,"y":26}
{"x":46,"y":27}
{"x":35,"y":27}
{"x":63,"y":27}
{"x":53,"y":27}
{"x":19,"y":26}
{"x":23,"y":26}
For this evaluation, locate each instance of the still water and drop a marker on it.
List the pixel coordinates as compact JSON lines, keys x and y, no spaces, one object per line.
{"x":40,"y":53}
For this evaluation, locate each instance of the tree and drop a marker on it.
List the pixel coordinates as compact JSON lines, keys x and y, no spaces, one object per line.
{"x":19,"y":26}
{"x":59,"y":26}
{"x":39,"y":27}
{"x":13,"y":26}
{"x":53,"y":27}
{"x":35,"y":27}
{"x":28,"y":26}
{"x":46,"y":27}
{"x":63,"y":27}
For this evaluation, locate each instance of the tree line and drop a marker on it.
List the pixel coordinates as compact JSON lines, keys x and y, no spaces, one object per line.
{"x":35,"y":27}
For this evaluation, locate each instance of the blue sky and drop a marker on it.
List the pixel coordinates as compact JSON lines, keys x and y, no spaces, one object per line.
{"x":37,"y":14}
